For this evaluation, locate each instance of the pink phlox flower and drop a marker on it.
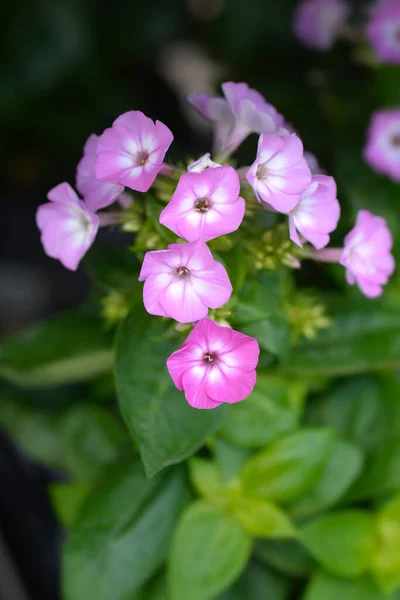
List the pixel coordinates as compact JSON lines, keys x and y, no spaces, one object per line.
{"x":67,"y":226}
{"x":317,"y":23}
{"x":202,"y":163}
{"x":317,"y":213}
{"x":366,"y":254}
{"x":131,"y":152}
{"x":183,"y":282}
{"x":280,"y":172}
{"x":205,"y":205}
{"x":96,"y":194}
{"x":214,"y":365}
{"x":242,"y":111}
{"x":382,"y":150}
{"x":383,"y":31}
{"x":313,"y":163}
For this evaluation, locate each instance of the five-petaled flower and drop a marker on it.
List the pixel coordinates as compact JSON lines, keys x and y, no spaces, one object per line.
{"x":383,"y":31}
{"x":317,"y":213}
{"x":205,"y":205}
{"x":131,"y":152}
{"x":242,"y":111}
{"x":67,"y":226}
{"x":280,"y":172}
{"x":366,"y":254}
{"x":382,"y":150}
{"x":96,"y":194}
{"x":214,"y":365}
{"x":183,"y":282}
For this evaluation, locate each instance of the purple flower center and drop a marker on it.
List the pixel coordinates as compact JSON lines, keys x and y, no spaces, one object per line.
{"x":202,"y":205}
{"x":261,"y":172}
{"x":183,"y":272}
{"x":209,"y":358}
{"x":396,"y":139}
{"x":142,"y":157}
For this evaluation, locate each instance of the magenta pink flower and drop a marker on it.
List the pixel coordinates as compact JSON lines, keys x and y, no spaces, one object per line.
{"x":96,"y":194}
{"x":317,"y":213}
{"x":205,"y":205}
{"x":68,"y":228}
{"x":317,"y":22}
{"x":242,"y":111}
{"x":382,"y":150}
{"x":383,"y":31}
{"x":280,"y":171}
{"x":183,"y":282}
{"x":131,"y":152}
{"x":366,"y":254}
{"x":214,"y":365}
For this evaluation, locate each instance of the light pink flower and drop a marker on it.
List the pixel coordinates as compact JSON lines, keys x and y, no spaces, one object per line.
{"x":313,"y":163}
{"x":383,"y":31}
{"x":317,"y":213}
{"x":382,"y":150}
{"x":242,"y":111}
{"x":366,"y":254}
{"x":183,"y":282}
{"x":68,"y":228}
{"x":214,"y":365}
{"x":280,"y":171}
{"x":317,"y":22}
{"x":96,"y":194}
{"x":202,"y":163}
{"x":131,"y":152}
{"x":205,"y":205}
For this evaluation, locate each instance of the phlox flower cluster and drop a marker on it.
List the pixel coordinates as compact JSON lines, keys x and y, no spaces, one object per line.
{"x":215,"y":364}
{"x":317,"y":24}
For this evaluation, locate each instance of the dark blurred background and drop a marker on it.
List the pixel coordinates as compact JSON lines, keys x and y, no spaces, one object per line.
{"x":68,"y":69}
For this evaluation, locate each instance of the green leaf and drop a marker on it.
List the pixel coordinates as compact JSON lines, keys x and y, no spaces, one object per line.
{"x":230,"y":459}
{"x":386,"y":561}
{"x":343,"y":542}
{"x":287,"y":556}
{"x":273,"y":408}
{"x":66,"y":349}
{"x":209,"y":551}
{"x":364,"y":410}
{"x":166,"y":429}
{"x":206,"y":480}
{"x":342,"y":468}
{"x":123,"y":533}
{"x":381,"y":473}
{"x":324,"y":586}
{"x":259,"y":312}
{"x":362,"y":338}
{"x":113,"y":269}
{"x":79,"y":439}
{"x":258,"y":583}
{"x":261,"y":518}
{"x":67,"y":500}
{"x":288,"y":467}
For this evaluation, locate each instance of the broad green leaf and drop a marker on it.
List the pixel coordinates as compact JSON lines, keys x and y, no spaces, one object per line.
{"x":258,"y":583}
{"x":343,"y":542}
{"x":230,"y":459}
{"x":67,"y":500}
{"x":259,"y":313}
{"x":209,"y":551}
{"x":324,"y":586}
{"x":66,"y":349}
{"x":386,"y":561}
{"x":113,"y":269}
{"x":287,"y":556}
{"x":166,"y":429}
{"x":273,"y":408}
{"x":364,"y":410}
{"x":341,"y":469}
{"x":381,"y":472}
{"x":362,"y":338}
{"x":123,"y":532}
{"x":288,"y":467}
{"x":261,"y":518}
{"x":206,"y":480}
{"x":79,"y":439}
